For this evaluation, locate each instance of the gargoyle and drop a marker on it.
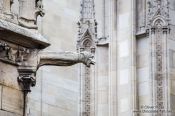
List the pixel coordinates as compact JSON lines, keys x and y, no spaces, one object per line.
{"x":65,"y":58}
{"x":27,"y":72}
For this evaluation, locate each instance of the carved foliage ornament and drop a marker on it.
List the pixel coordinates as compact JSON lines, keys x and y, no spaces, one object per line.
{"x":157,"y":8}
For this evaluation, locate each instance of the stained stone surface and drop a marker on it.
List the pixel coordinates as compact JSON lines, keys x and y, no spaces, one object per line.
{"x":12,"y":100}
{"x":9,"y":79}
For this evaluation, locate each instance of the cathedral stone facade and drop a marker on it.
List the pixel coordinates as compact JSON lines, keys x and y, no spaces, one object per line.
{"x":131,"y":41}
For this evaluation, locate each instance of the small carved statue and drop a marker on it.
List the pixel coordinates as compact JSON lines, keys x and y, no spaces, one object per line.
{"x":29,"y":10}
{"x":39,"y":9}
{"x":5,"y":7}
{"x":5,"y":51}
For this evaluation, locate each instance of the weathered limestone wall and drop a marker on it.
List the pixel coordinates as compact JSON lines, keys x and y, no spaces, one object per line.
{"x":57,"y":90}
{"x":11,"y":97}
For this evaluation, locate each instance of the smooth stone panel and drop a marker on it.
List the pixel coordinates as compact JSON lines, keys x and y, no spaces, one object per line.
{"x":144,"y":88}
{"x":124,"y":76}
{"x":123,"y":49}
{"x":143,"y":74}
{"x":124,"y":105}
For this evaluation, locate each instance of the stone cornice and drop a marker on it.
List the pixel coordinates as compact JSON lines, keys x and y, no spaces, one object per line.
{"x":22,"y":36}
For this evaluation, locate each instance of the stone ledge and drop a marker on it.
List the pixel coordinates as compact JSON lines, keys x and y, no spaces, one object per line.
{"x":22,"y":36}
{"x":142,"y":34}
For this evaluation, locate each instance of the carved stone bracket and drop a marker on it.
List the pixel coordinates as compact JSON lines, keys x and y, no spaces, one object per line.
{"x":26,"y":78}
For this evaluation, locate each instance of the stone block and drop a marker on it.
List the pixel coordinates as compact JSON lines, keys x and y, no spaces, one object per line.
{"x":123,"y":49}
{"x":103,"y":97}
{"x":143,"y":74}
{"x":9,"y":75}
{"x":12,"y":100}
{"x":144,"y":88}
{"x":124,"y":105}
{"x":124,"y":76}
{"x":6,"y":113}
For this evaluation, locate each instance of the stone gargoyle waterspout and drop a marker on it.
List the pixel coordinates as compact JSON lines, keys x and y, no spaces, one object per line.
{"x":65,"y":58}
{"x":27,"y":70}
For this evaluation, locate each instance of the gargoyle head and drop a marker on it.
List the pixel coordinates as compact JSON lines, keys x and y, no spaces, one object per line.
{"x":87,"y":58}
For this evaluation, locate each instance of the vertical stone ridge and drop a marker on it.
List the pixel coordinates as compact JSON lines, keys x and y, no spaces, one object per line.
{"x":158,"y":24}
{"x":87,"y":9}
{"x":87,"y":35}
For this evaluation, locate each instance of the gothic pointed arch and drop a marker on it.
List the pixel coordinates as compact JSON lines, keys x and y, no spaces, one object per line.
{"x":87,"y":40}
{"x":159,"y":21}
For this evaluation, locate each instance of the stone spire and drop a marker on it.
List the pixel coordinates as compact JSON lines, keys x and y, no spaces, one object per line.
{"x":87,"y":9}
{"x":87,"y":25}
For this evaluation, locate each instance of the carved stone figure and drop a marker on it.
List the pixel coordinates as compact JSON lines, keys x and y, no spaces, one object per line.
{"x":39,"y":8}
{"x":28,"y":69}
{"x":65,"y":58}
{"x":5,"y":7}
{"x":29,"y":11}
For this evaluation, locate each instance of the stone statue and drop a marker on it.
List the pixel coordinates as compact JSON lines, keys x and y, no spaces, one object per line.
{"x":39,"y":9}
{"x":29,"y":11}
{"x":5,"y":6}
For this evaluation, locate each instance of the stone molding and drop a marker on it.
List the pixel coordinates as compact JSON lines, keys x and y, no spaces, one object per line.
{"x":19,"y":35}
